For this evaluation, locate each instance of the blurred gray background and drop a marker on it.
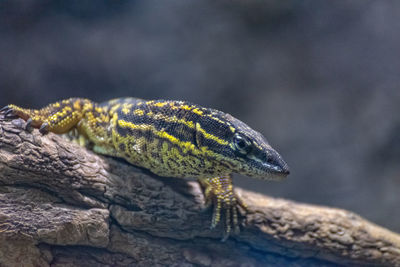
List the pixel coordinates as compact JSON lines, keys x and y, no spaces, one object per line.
{"x":320,"y":79}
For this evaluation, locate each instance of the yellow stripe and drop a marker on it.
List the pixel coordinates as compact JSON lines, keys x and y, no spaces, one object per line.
{"x":161,"y":104}
{"x":218,"y":120}
{"x":162,"y":134}
{"x":138,"y":112}
{"x":77,"y":105}
{"x":197,"y":111}
{"x":173,"y":119}
{"x":181,"y":106}
{"x":210,"y":136}
{"x":126,"y":108}
{"x":185,"y":145}
{"x":114,"y":108}
{"x":185,"y":107}
{"x":189,"y":124}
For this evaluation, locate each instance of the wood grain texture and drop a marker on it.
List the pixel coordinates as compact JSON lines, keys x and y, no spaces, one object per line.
{"x":62,"y":204}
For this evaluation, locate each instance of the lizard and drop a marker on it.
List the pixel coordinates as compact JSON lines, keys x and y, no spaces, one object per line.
{"x":170,"y":139}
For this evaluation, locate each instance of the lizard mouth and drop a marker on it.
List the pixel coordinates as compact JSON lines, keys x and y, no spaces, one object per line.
{"x":275,"y":172}
{"x":268,"y":170}
{"x":268,"y":166}
{"x":280,"y":170}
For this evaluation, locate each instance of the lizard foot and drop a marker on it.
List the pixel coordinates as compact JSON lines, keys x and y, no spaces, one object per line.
{"x":11,"y":112}
{"x":218,"y":192}
{"x":8,"y":113}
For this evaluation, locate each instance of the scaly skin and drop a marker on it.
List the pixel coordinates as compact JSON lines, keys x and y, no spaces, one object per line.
{"x":169,"y":138}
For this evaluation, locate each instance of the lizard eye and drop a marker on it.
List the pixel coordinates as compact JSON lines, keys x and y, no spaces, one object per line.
{"x":242,"y":144}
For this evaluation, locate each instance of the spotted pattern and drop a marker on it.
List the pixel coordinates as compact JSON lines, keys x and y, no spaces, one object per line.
{"x":170,"y":138}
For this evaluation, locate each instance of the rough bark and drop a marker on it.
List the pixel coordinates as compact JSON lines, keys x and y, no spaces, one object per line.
{"x":62,"y":204}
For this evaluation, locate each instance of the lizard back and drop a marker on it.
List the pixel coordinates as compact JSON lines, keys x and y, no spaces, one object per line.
{"x":170,"y":138}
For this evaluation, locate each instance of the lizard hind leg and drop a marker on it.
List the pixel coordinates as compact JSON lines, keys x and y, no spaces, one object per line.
{"x":218,"y":192}
{"x":58,"y":117}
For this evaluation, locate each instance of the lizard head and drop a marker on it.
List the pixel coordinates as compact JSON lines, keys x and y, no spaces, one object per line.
{"x":244,"y":150}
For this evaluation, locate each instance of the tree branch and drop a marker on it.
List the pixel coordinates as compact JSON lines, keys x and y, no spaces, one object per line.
{"x":63,"y":204}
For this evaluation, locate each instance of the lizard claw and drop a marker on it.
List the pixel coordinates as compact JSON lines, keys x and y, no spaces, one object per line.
{"x":44,"y":128}
{"x":8,"y":113}
{"x":226,"y":208}
{"x":28,"y":125}
{"x":4,"y":109}
{"x":219,"y":192}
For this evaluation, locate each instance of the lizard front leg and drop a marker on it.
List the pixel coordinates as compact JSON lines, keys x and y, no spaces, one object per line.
{"x":58,"y":117}
{"x":218,"y":192}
